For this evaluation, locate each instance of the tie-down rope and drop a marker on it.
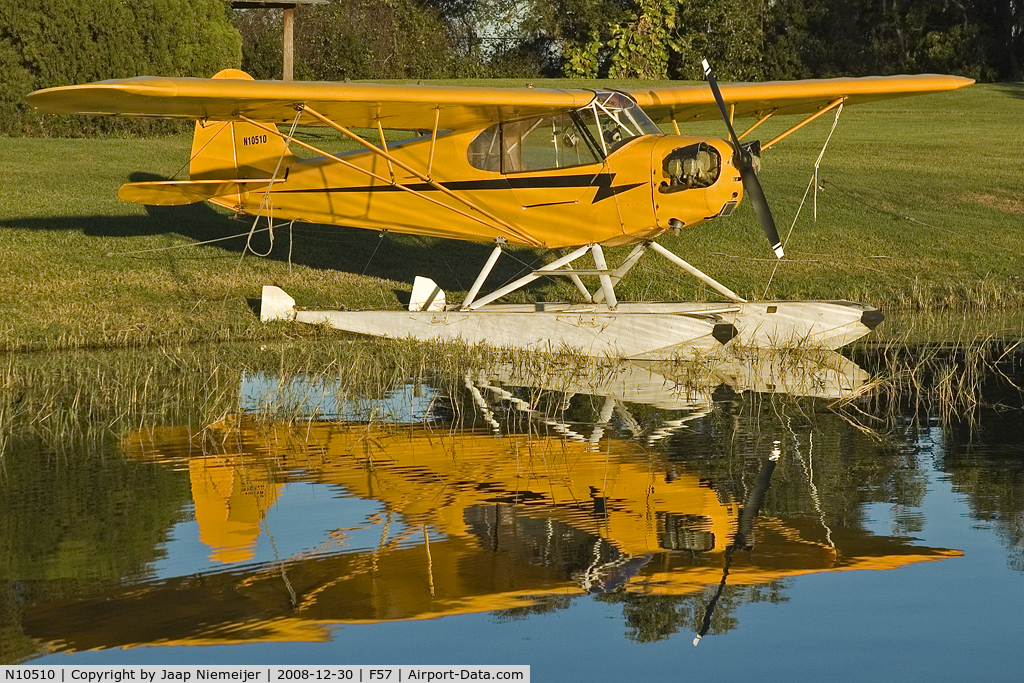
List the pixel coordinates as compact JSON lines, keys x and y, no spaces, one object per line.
{"x":813,"y":183}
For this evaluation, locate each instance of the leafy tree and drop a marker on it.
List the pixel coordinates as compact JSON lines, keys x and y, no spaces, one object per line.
{"x":727,"y":33}
{"x":1003,"y":20}
{"x":640,"y":48}
{"x":359,"y":39}
{"x":46,"y":43}
{"x":864,"y":37}
{"x":571,"y":37}
{"x":786,"y":36}
{"x":668,"y":39}
{"x":583,"y":60}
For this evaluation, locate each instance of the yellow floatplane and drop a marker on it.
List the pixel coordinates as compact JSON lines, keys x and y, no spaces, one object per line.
{"x":563,"y":169}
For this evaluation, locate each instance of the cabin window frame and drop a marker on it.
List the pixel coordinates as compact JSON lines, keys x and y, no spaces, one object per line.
{"x":480,"y":157}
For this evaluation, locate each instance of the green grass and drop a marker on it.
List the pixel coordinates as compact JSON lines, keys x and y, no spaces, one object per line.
{"x":922,"y":207}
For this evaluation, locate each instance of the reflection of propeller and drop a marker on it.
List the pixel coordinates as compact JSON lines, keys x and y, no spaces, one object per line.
{"x":744,"y":530}
{"x":745,"y":163}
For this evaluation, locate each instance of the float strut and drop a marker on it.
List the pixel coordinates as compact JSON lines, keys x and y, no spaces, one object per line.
{"x":527,"y":279}
{"x":697,"y":273}
{"x":625,"y":267}
{"x":606,"y":281}
{"x":475,"y":289}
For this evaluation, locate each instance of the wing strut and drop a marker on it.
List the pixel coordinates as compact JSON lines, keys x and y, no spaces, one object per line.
{"x":384,"y":144}
{"x":348,"y":164}
{"x":835,"y":103}
{"x":433,"y":141}
{"x":755,"y":124}
{"x":519,"y":234}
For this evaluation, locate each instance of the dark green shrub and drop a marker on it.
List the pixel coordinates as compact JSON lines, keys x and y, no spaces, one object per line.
{"x":47,"y":43}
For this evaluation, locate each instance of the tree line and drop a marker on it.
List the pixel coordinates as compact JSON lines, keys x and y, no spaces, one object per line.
{"x":45,"y":43}
{"x":663,"y":39}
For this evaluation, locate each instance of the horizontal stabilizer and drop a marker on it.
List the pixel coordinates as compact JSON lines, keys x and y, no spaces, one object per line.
{"x":179,"y":192}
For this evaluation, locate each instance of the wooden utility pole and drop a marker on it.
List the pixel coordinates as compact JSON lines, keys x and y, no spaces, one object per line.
{"x":288,"y":67}
{"x":289,"y":43}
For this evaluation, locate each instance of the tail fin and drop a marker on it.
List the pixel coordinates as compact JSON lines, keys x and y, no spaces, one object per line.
{"x":236,"y":149}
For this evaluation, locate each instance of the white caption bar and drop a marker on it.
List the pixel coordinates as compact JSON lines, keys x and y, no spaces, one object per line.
{"x":361,"y":673}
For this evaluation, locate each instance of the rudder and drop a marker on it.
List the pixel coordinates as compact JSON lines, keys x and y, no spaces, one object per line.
{"x":236,"y":149}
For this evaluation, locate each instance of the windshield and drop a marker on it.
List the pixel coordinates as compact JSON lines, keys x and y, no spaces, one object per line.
{"x":614,"y":118}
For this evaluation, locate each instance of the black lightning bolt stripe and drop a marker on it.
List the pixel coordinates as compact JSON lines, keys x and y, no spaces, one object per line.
{"x":602,"y":181}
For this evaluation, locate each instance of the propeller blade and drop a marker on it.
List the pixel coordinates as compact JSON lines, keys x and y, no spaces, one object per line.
{"x":751,"y":185}
{"x":721,"y":104}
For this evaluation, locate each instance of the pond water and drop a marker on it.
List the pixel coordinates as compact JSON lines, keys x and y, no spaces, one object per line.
{"x":840,"y":517}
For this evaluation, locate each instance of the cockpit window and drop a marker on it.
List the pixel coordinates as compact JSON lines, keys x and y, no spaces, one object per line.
{"x":535,"y":144}
{"x":485,"y":150}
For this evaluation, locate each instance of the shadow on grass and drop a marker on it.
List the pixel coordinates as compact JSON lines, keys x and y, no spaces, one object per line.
{"x":452,"y":264}
{"x":1013,"y":89}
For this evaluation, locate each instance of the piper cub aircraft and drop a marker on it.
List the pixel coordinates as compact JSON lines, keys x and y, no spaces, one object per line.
{"x":567,"y":169}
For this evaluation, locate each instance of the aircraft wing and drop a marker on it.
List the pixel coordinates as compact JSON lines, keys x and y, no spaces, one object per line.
{"x":361,"y":105}
{"x":695,"y":102}
{"x":234,"y":94}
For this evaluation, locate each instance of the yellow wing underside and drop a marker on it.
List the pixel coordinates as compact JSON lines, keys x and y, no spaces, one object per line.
{"x":421,"y":107}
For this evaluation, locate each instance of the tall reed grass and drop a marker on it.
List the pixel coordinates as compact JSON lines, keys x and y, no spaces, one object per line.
{"x":72,"y":402}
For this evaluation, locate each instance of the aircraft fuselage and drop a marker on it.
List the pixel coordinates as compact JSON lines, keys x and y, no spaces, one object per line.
{"x":638,"y":191}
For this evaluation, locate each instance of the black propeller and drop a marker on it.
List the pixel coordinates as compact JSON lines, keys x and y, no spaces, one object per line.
{"x":745,"y":164}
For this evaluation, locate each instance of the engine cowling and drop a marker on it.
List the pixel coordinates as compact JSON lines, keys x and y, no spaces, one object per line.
{"x":694,"y":180}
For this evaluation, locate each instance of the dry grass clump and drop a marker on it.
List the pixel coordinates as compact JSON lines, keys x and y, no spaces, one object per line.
{"x":70,"y":400}
{"x":950,"y":382}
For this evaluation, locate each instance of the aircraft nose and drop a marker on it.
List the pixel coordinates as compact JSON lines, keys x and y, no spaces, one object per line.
{"x":694,"y":180}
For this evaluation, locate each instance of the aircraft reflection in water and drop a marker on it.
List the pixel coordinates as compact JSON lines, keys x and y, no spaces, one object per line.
{"x":470,"y":520}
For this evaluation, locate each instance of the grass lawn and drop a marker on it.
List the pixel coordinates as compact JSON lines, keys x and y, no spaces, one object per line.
{"x":921,"y":206}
